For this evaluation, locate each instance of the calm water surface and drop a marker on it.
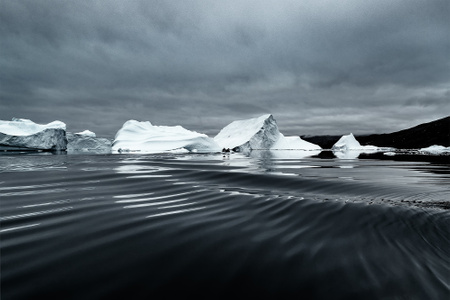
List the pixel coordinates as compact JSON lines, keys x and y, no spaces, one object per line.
{"x":214,"y":226}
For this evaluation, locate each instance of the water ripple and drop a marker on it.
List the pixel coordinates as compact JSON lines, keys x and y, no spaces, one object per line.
{"x":134,"y":226}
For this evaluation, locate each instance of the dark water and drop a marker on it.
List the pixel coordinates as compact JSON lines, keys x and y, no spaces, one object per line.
{"x":160,"y":226}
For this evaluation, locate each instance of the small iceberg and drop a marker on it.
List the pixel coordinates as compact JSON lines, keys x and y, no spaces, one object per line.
{"x":347,"y":147}
{"x":435,"y":150}
{"x":86,"y":141}
{"x":143,"y":137}
{"x":349,"y":142}
{"x":24,"y":134}
{"x":259,"y":134}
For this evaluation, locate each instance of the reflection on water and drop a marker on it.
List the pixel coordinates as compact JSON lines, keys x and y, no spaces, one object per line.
{"x":18,"y":227}
{"x":220,"y":225}
{"x":283,"y":154}
{"x":28,"y":162}
{"x":350,"y":154}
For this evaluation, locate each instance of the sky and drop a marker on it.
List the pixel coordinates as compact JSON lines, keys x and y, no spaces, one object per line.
{"x":318,"y":66}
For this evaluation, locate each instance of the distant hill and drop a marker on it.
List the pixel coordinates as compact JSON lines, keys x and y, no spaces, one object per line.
{"x":433,"y":133}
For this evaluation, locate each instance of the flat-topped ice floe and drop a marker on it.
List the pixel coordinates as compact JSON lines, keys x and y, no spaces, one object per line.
{"x":24,"y":134}
{"x":143,"y":137}
{"x":259,"y":134}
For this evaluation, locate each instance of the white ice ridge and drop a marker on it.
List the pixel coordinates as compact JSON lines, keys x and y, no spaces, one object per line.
{"x":86,"y":133}
{"x":259,"y":134}
{"x":24,"y":127}
{"x":141,"y":137}
{"x":24,"y":133}
{"x":349,"y":142}
{"x":435,"y":150}
{"x":293,"y":143}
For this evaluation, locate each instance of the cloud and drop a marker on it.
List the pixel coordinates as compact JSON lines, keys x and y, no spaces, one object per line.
{"x":313,"y":64}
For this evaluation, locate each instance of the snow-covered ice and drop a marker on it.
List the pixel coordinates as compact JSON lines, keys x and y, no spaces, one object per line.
{"x":255,"y":133}
{"x":25,"y":134}
{"x":435,"y":150}
{"x":259,"y":134}
{"x":135,"y":136}
{"x":349,"y":142}
{"x":293,"y":143}
{"x":86,"y":133}
{"x":347,"y":147}
{"x":25,"y":127}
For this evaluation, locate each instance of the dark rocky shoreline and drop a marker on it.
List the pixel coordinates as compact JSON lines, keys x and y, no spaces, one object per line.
{"x":433,"y":133}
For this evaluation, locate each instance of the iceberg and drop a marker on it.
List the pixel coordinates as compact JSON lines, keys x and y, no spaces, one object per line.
{"x":293,"y":143}
{"x":435,"y":150}
{"x":259,"y":134}
{"x":244,"y":135}
{"x":349,"y":142}
{"x":87,"y":141}
{"x":347,"y":147}
{"x":24,"y":134}
{"x":135,"y":136}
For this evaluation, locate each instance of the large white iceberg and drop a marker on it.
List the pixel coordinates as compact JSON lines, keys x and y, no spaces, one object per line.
{"x":24,"y":134}
{"x":87,"y":141}
{"x":259,"y":134}
{"x":135,"y":136}
{"x":256,"y":133}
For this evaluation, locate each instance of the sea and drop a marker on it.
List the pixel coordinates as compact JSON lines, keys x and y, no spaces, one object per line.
{"x":223,"y":226}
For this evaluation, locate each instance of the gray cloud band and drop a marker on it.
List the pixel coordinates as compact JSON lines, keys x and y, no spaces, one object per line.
{"x":318,"y":66}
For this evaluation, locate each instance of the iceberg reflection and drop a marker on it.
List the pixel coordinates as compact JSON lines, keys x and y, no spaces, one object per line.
{"x":284,"y":154}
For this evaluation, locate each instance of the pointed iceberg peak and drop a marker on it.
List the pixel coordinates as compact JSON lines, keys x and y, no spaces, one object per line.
{"x":349,"y":143}
{"x":346,"y":142}
{"x":135,"y":136}
{"x":256,"y":133}
{"x":259,"y":133}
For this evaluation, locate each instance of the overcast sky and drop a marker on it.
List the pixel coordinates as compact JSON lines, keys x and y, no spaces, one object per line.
{"x":320,"y":67}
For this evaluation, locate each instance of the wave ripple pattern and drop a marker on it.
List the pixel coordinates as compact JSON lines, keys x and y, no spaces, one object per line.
{"x":156,"y":226}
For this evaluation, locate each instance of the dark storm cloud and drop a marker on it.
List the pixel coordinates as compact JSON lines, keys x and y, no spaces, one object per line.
{"x":318,"y":66}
